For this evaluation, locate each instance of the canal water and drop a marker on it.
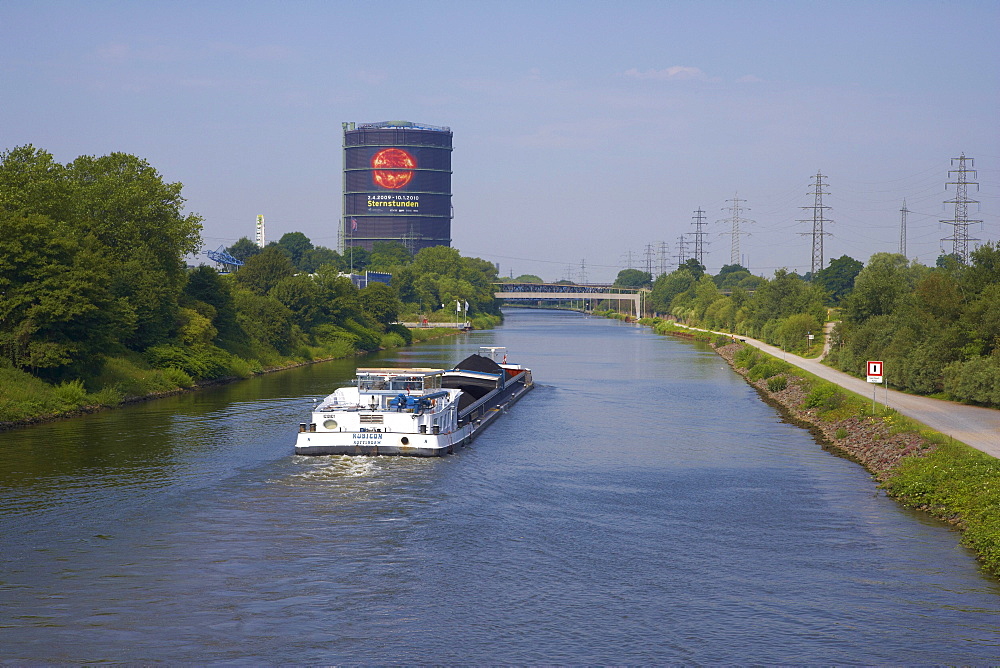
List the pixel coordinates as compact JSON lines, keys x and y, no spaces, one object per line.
{"x":641,"y":506}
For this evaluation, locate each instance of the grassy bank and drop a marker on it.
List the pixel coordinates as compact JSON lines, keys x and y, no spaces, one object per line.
{"x":915,"y":465}
{"x":25,"y":399}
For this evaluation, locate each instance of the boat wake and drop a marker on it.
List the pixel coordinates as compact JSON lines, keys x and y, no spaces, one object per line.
{"x":338,"y":466}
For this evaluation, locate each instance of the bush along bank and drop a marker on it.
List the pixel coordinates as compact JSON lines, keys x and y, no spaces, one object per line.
{"x":916,"y":466}
{"x":26,"y":400}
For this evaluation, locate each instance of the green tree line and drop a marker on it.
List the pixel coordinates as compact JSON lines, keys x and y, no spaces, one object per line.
{"x":97,"y":299}
{"x":937,"y":329}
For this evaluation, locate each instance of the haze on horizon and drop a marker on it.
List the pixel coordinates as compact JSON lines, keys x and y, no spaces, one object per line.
{"x":583,"y":130}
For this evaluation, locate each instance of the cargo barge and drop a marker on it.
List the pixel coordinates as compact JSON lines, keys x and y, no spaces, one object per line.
{"x":416,"y":411}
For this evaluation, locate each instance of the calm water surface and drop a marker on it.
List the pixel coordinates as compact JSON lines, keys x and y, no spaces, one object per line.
{"x":641,"y":506}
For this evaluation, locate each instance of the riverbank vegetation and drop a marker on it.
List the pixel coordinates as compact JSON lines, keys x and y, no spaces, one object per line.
{"x":937,"y":329}
{"x":99,"y":306}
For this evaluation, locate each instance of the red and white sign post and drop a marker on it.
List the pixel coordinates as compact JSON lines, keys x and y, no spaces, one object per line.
{"x":875,"y":372}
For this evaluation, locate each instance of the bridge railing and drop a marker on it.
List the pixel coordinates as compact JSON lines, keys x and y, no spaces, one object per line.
{"x":591,"y":288}
{"x":538,"y":292}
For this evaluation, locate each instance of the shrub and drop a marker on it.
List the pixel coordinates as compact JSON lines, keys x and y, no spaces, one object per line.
{"x":130,"y":377}
{"x":825,"y":397}
{"x":975,"y":381}
{"x":720,"y":341}
{"x":777,"y":383}
{"x":70,"y":395}
{"x":242,"y":368}
{"x":766,"y":369}
{"x":841,"y":433}
{"x":23,"y":396}
{"x":486,"y":321}
{"x":746,"y":357}
{"x":202,"y":362}
{"x":178,"y":377}
{"x":403,"y":332}
{"x":392,"y":340}
{"x":367,"y":339}
{"x":108,"y":396}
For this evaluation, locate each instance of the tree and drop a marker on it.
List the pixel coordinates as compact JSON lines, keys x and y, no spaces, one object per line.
{"x":262,"y":272}
{"x":31,"y":181}
{"x":380,"y":302}
{"x":357,"y":259}
{"x":984,"y":270}
{"x":730,"y":279}
{"x":56,"y":309}
{"x":527,"y":278}
{"x":314,"y":259}
{"x":265,"y":318}
{"x":949,"y":261}
{"x":751,"y":282}
{"x":388,"y":254}
{"x":980,"y":320}
{"x":697,"y":270}
{"x":878,"y":287}
{"x":303,"y":297}
{"x":206,"y":286}
{"x":938,"y":296}
{"x":297,"y":245}
{"x":838,"y":278}
{"x":244,"y":249}
{"x":442,"y":260}
{"x":127,"y":205}
{"x":787,"y":294}
{"x":439,"y":274}
{"x":705,"y":294}
{"x":135,"y":219}
{"x":668,"y":286}
{"x":793,"y":331}
{"x":340,"y":295}
{"x":633,"y":278}
{"x":728,"y":269}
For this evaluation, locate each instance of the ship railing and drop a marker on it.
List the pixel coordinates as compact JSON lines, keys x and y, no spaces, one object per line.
{"x":339,"y":406}
{"x":476,"y":405}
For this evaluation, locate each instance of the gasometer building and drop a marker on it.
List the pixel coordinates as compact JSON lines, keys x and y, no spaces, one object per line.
{"x":397,"y":185}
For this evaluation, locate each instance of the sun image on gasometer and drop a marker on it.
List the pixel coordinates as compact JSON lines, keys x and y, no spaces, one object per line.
{"x":392,"y":168}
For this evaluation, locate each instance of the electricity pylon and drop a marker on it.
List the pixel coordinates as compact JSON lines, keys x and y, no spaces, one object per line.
{"x":817,"y":220}
{"x":960,"y":239}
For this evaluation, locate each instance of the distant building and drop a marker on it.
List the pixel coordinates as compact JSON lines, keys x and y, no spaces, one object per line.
{"x":369,"y":277}
{"x":397,"y":185}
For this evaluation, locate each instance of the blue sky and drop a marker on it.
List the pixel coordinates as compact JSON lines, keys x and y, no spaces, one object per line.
{"x":584,"y":131}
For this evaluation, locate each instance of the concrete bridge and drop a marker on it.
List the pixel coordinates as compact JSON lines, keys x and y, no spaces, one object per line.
{"x":631,"y":299}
